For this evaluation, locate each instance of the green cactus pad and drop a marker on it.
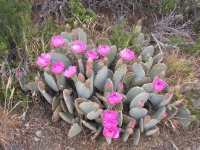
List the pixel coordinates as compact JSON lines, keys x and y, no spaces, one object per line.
{"x":57,"y":56}
{"x":69,"y":102}
{"x":64,"y":107}
{"x":92,"y":83}
{"x":61,"y":81}
{"x":100,"y":78}
{"x":183,"y":116}
{"x":104,"y":41}
{"x":138,"y":71}
{"x":94,"y":114}
{"x":47,"y":96}
{"x":158,"y":113}
{"x":150,"y":124}
{"x":165,"y":101}
{"x":142,"y":96}
{"x":81,"y":35}
{"x":66,"y":116}
{"x":99,"y":129}
{"x":148,"y":88}
{"x":55,"y":103}
{"x":139,"y":40}
{"x":147,"y":50}
{"x":74,"y":130}
{"x":171,"y":112}
{"x":137,"y":113}
{"x":197,"y":103}
{"x":145,"y":43}
{"x":124,"y":99}
{"x":87,"y":107}
{"x":95,"y":66}
{"x":56,"y":115}
{"x":158,"y":58}
{"x":110,"y":73}
{"x":111,"y":54}
{"x":133,"y":92}
{"x":118,"y":75}
{"x":126,"y":135}
{"x":128,"y":78}
{"x":99,"y":120}
{"x":119,"y":106}
{"x":157,"y":69}
{"x":145,"y":67}
{"x":51,"y":82}
{"x":90,"y":45}
{"x":152,"y":131}
{"x":32,"y":86}
{"x":127,"y":119}
{"x":155,"y":98}
{"x":82,"y":90}
{"x":149,"y":63}
{"x":90,"y":125}
{"x":96,"y":100}
{"x":141,"y":124}
{"x":120,"y":118}
{"x":77,"y":102}
{"x":136,"y":136}
{"x":67,"y":36}
{"x":108,"y":80}
{"x":142,"y":81}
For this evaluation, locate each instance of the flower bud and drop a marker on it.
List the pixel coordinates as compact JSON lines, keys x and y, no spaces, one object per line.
{"x":139,"y":59}
{"x":131,"y":124}
{"x":171,"y":89}
{"x":141,"y":103}
{"x":164,"y":114}
{"x":41,"y":85}
{"x":81,"y":77}
{"x":120,"y":87}
{"x":167,"y":95}
{"x":67,"y":92}
{"x":147,"y":118}
{"x":37,"y":78}
{"x":88,"y":83}
{"x":129,"y":131}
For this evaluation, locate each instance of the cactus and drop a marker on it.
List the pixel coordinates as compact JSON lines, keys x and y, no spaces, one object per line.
{"x":123,"y":88}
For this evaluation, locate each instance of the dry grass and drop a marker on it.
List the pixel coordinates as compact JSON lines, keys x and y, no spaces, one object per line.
{"x":9,"y":132}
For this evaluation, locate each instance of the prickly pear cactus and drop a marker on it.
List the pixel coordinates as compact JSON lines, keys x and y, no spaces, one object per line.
{"x":85,"y":87}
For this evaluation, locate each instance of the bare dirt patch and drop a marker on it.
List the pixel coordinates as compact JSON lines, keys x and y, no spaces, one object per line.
{"x":37,"y":132}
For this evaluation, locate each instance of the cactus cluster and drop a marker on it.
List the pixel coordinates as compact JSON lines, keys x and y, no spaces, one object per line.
{"x":81,"y":95}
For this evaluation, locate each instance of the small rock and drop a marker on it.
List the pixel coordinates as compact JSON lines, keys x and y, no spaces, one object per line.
{"x":36,"y":139}
{"x":27,"y":125}
{"x":39,"y":133}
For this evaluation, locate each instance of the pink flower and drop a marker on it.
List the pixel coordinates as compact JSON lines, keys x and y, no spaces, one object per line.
{"x":127,"y":54}
{"x":103,"y":50}
{"x":109,"y":114}
{"x":111,"y":132}
{"x":78,"y":46}
{"x":91,"y":54}
{"x":57,"y":67}
{"x":158,"y":84}
{"x":57,"y":41}
{"x":70,"y":72}
{"x":109,"y":123}
{"x":43,"y":60}
{"x":114,"y":97}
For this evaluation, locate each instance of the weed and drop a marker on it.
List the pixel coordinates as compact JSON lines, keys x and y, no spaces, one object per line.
{"x":78,"y":12}
{"x":123,"y":37}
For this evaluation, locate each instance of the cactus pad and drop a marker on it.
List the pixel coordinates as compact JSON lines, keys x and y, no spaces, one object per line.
{"x":66,"y":116}
{"x":74,"y":130}
{"x":137,"y":113}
